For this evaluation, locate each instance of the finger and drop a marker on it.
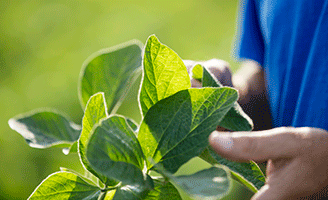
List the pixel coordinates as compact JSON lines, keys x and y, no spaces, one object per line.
{"x":221,"y":129}
{"x":269,"y":193}
{"x":259,"y":145}
{"x":220,"y":69}
{"x":189,"y":64}
{"x":195,"y":83}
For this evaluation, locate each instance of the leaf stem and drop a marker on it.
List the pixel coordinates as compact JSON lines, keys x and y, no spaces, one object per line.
{"x":111,"y":188}
{"x":102,"y":195}
{"x":106,"y":189}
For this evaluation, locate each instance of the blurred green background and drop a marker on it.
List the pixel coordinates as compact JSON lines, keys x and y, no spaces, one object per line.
{"x":44,"y":43}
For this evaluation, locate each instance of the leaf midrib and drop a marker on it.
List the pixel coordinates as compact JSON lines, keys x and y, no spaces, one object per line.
{"x":187,"y":135}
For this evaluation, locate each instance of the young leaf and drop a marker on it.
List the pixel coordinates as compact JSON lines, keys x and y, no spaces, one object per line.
{"x":95,"y":110}
{"x":45,"y":128}
{"x":65,"y":185}
{"x":236,"y":119}
{"x":111,"y":71}
{"x":113,"y":151}
{"x":176,"y":128}
{"x":164,"y":74}
{"x":211,"y":183}
{"x":197,"y":72}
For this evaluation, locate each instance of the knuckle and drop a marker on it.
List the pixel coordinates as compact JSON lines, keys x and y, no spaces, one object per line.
{"x":216,"y":64}
{"x":285,"y":129}
{"x":300,"y":138}
{"x":189,"y":64}
{"x":195,"y":83}
{"x":305,"y":130}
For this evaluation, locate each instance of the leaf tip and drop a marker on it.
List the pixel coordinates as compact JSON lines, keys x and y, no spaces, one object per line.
{"x":152,"y":38}
{"x":11,"y":123}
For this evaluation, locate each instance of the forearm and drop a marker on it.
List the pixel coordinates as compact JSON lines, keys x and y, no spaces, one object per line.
{"x":249,"y":81}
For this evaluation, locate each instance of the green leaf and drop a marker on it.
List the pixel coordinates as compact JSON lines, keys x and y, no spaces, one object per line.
{"x":164,"y":74}
{"x":206,"y":156}
{"x":249,"y":174}
{"x":163,"y":190}
{"x":176,"y":129}
{"x":90,"y":180}
{"x":134,"y":192}
{"x":65,"y":185}
{"x":236,"y":119}
{"x":45,"y":128}
{"x":95,"y":110}
{"x":211,"y":183}
{"x":197,"y":72}
{"x":111,"y":71}
{"x":113,"y":151}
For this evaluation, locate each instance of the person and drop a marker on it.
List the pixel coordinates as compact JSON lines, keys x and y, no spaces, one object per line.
{"x":284,"y":45}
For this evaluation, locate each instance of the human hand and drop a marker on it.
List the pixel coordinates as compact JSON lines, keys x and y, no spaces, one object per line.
{"x":298,"y":159}
{"x":219,"y":68}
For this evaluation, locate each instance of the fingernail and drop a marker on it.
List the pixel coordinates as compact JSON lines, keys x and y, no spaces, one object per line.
{"x":222,"y":140}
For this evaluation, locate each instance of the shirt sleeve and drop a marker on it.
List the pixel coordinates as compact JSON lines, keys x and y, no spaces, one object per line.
{"x":250,"y":44}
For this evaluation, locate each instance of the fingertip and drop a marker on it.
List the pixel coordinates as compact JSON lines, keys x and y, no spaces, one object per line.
{"x":230,"y":145}
{"x":221,"y":141}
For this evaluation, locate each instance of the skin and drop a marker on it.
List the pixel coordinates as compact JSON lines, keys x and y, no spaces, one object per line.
{"x":297,"y":157}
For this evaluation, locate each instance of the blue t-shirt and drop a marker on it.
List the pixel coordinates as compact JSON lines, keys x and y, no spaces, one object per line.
{"x":289,"y":38}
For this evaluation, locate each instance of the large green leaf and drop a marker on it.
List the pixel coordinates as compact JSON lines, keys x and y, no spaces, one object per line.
{"x":113,"y":151}
{"x":236,"y":119}
{"x":95,"y":110}
{"x":65,"y":185}
{"x":45,"y":128}
{"x":211,"y":183}
{"x":176,"y":128}
{"x":164,"y":74}
{"x":111,"y":71}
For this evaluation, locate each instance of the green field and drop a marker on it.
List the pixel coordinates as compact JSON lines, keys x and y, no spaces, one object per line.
{"x":44,"y":43}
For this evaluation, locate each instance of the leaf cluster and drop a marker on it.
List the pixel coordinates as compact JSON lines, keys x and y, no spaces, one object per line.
{"x":119,"y":154}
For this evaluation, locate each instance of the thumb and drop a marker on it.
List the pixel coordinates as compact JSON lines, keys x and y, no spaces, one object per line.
{"x":258,"y":145}
{"x":269,"y":193}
